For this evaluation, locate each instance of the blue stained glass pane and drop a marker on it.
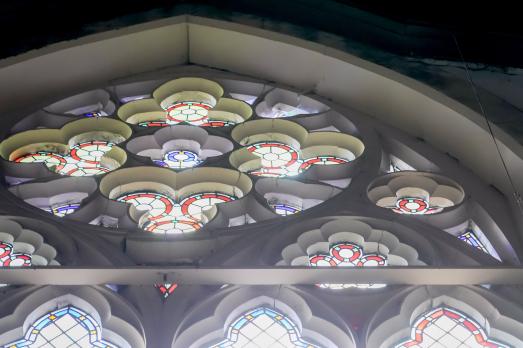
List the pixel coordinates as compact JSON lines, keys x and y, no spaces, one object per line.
{"x":470,"y":238}
{"x":41,"y":324}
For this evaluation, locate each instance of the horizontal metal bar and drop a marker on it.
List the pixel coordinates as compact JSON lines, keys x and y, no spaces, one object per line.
{"x":262,"y":276}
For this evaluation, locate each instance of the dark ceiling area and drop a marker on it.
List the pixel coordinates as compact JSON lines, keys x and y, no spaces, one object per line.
{"x":486,"y":34}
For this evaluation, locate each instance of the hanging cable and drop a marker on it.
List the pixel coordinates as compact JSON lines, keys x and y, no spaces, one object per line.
{"x":515,"y":193}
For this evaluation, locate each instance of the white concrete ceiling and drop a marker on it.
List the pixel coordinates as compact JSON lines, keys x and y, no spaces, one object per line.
{"x":69,"y":67}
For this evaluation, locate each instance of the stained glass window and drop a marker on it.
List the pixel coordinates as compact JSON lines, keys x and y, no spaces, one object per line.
{"x":95,"y":114}
{"x":156,"y":204}
{"x":84,"y":159}
{"x":166,"y":289}
{"x":194,"y":113}
{"x":218,"y":123}
{"x":195,"y":204}
{"x":263,"y":328}
{"x":91,"y":151}
{"x":164,"y":215}
{"x":62,"y":210}
{"x":280,"y":160}
{"x":323,"y":160}
{"x":414,"y":206}
{"x":285,"y":209}
{"x":52,"y":160}
{"x":445,"y":327}
{"x":172,"y":225}
{"x":65,"y":327}
{"x":277,"y":159}
{"x":470,"y":238}
{"x":153,"y":124}
{"x":179,"y":159}
{"x":345,"y":254}
{"x":10,"y":258}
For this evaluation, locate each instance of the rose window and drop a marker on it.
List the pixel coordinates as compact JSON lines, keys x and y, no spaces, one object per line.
{"x":211,"y":163}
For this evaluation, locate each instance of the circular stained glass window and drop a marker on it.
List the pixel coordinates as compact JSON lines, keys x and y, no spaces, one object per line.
{"x":194,"y":113}
{"x":411,"y":205}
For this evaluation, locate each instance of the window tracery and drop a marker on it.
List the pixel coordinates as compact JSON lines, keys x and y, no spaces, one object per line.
{"x":312,"y":155}
{"x":348,"y":242}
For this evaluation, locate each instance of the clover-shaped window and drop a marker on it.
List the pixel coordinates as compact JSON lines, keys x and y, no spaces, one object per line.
{"x":280,"y":148}
{"x":265,"y":328}
{"x":64,"y":327}
{"x":346,"y":254}
{"x":164,"y":215}
{"x":163,"y":201}
{"x":80,"y":148}
{"x":447,"y":327}
{"x":188,"y":100}
{"x":415,"y":193}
